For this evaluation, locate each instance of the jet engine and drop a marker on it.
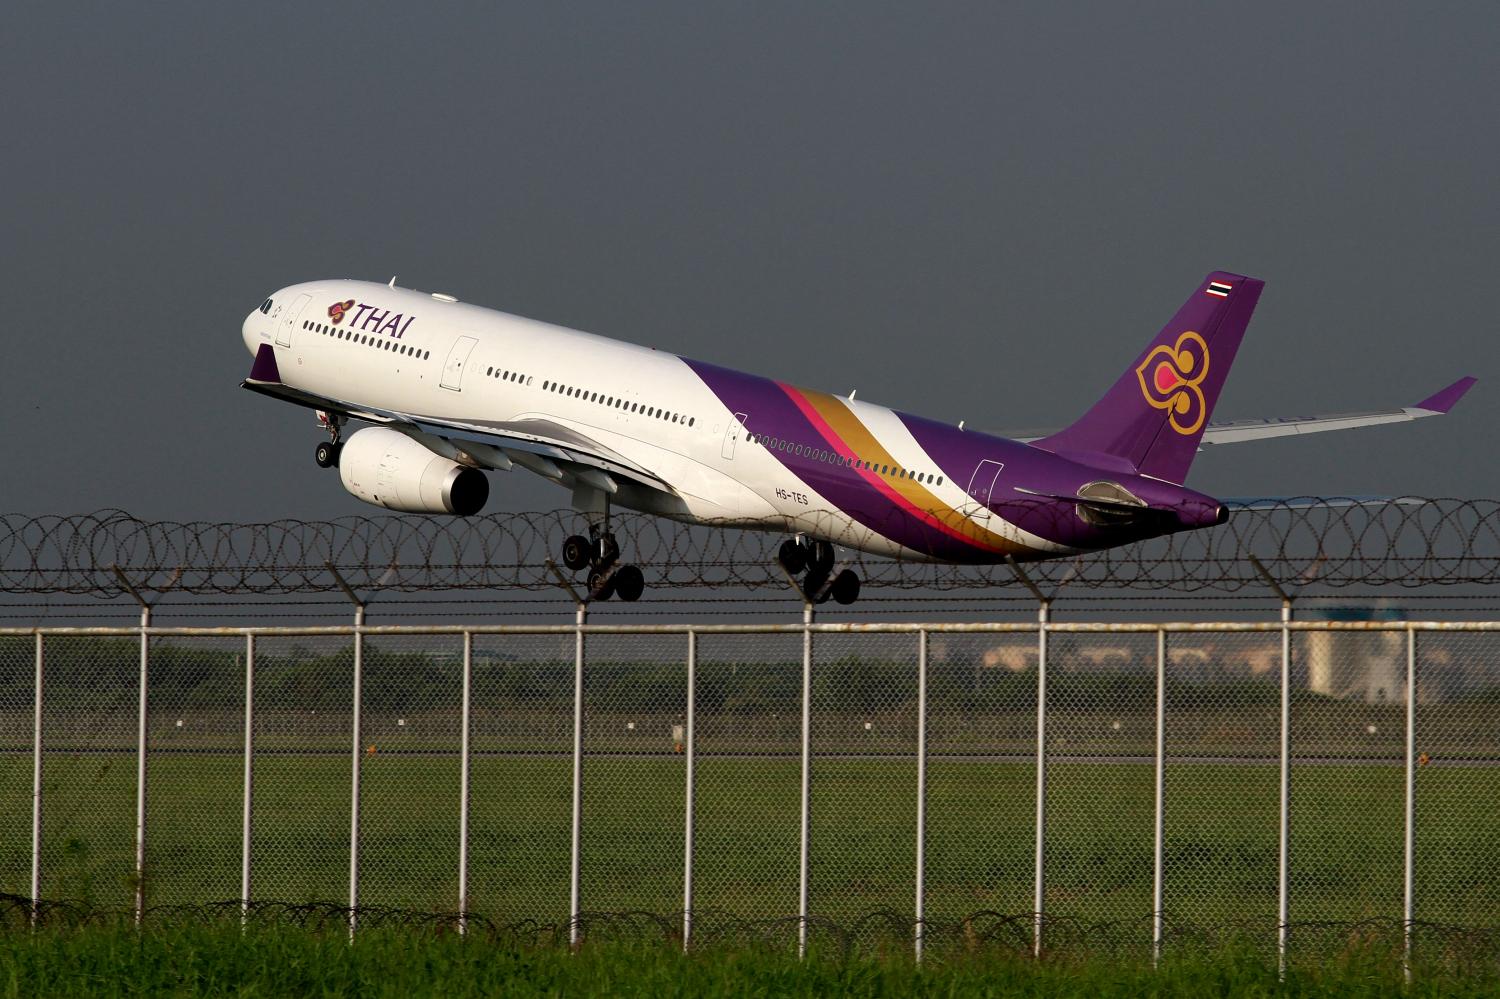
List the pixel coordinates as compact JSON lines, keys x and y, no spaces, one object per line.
{"x":391,"y":470}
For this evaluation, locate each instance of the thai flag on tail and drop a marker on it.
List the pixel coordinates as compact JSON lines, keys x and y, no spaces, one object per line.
{"x":1218,"y":289}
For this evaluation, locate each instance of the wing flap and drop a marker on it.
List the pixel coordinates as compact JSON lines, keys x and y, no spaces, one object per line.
{"x":540,"y":446}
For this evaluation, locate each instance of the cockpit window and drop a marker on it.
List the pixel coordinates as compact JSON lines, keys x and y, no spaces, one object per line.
{"x":266,"y":307}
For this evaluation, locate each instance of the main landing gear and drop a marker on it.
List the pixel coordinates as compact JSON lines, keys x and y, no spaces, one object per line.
{"x":327,"y":453}
{"x":815,"y":558}
{"x":600,"y":554}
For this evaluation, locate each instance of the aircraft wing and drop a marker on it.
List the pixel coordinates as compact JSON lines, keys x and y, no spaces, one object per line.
{"x":541,"y":446}
{"x":1235,"y":431}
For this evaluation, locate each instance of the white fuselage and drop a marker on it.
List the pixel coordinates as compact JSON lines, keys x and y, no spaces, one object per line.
{"x":402,"y":351}
{"x":695,"y":444}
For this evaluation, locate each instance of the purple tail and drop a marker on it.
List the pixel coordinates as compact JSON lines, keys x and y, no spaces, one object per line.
{"x":1153,"y":417}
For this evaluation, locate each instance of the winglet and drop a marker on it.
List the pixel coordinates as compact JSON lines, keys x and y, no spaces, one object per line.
{"x":264,"y":369}
{"x":1445,"y":400}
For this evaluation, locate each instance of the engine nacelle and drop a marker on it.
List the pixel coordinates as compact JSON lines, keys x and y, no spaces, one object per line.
{"x":390,"y":469}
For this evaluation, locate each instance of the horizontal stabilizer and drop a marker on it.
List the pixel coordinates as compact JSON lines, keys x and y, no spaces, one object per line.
{"x":1239,"y":504}
{"x":1437,"y":404}
{"x":1234,"y":431}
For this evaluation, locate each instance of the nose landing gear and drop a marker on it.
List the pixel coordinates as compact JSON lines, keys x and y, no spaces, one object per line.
{"x":816,"y":559}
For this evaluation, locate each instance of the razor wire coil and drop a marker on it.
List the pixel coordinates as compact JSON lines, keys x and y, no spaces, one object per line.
{"x":1332,"y":543}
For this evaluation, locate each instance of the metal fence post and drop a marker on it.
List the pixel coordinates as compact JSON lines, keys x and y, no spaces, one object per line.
{"x":249,"y":780}
{"x":140,"y":746}
{"x":1409,"y":875}
{"x":140,"y":769}
{"x":1040,"y":893}
{"x":463,"y":787}
{"x":36,"y":783}
{"x":690,"y":747}
{"x":1284,"y":846}
{"x":1284,"y":866}
{"x":1158,"y":865}
{"x":575,"y":856}
{"x":1044,"y":615}
{"x":804,"y":837}
{"x":921,"y":904}
{"x":356,"y":725}
{"x":1284,"y":836}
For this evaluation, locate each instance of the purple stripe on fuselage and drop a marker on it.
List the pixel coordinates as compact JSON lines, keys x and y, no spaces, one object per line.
{"x":264,"y":369}
{"x":770,"y":413}
{"x":958,"y":453}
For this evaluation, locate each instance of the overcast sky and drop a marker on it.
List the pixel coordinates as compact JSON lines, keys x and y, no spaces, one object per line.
{"x":976,"y":212}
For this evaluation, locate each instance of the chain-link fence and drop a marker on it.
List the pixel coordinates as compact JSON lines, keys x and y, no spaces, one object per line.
{"x":1256,"y":777}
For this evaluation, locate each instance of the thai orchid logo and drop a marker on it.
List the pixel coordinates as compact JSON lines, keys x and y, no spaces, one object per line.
{"x":1172,"y":378}
{"x":337,"y":309}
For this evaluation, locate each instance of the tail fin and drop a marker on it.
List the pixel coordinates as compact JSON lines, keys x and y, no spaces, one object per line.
{"x":1153,"y":417}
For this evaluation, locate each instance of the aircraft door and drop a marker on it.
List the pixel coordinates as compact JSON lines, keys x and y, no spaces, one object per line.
{"x":981,"y":489}
{"x":289,"y":319}
{"x":732,"y":434}
{"x":453,"y":368}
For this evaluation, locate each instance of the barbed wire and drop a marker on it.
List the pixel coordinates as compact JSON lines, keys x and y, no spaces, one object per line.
{"x":982,"y":931}
{"x":1332,"y":543}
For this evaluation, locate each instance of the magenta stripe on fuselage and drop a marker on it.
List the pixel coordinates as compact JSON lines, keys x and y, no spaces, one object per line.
{"x":770,"y":412}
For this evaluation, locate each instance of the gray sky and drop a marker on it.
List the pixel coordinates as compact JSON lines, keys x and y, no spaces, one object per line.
{"x":975,"y":212}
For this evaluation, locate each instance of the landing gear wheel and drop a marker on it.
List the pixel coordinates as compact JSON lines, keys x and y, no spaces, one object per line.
{"x":629,"y":584}
{"x":793,"y":556}
{"x":601,"y":587}
{"x":327,"y":454}
{"x":845,"y":588}
{"x":575,"y":552}
{"x":821,"y":558}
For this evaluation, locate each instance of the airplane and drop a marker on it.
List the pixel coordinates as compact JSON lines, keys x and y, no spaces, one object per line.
{"x":451,"y":391}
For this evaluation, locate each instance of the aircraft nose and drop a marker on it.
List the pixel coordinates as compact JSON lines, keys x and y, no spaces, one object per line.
{"x":250,"y":331}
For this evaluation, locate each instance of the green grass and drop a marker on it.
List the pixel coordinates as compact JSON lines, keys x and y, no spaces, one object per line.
{"x":217,"y":958}
{"x":1221,"y":851}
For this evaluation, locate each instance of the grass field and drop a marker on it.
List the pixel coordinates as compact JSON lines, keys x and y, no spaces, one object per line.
{"x":220,"y":959}
{"x":1221,"y":854}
